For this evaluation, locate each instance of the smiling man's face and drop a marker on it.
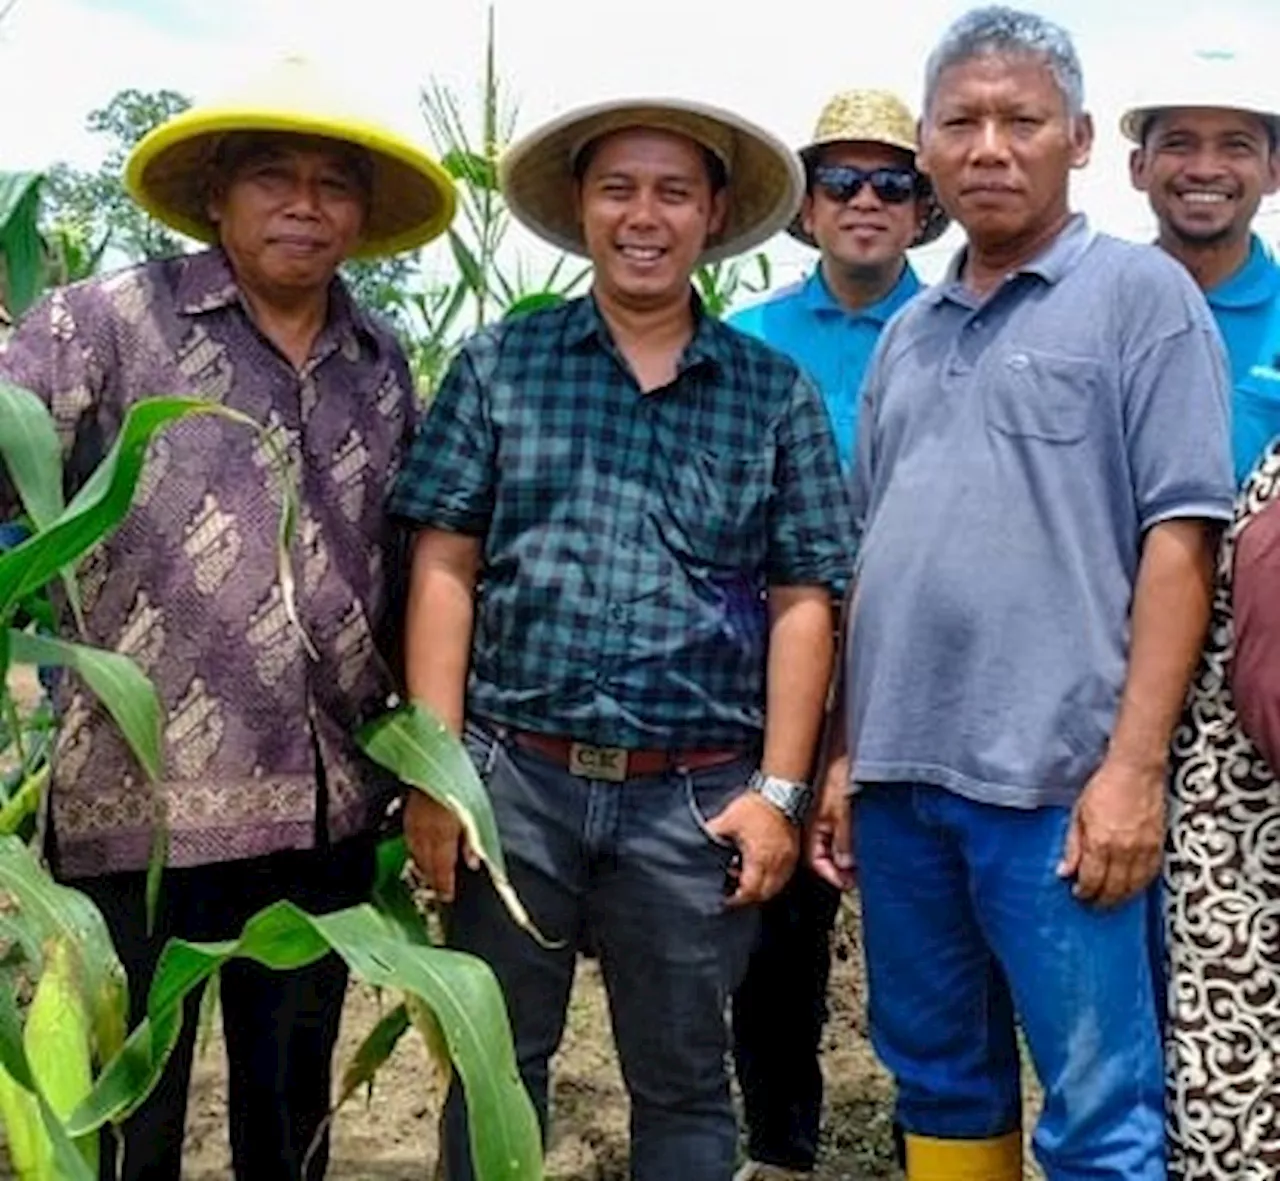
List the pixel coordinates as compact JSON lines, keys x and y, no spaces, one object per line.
{"x":1205,"y":171}
{"x":647,"y":207}
{"x":288,"y":212}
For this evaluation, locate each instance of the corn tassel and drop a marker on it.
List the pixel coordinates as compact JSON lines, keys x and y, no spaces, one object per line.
{"x":57,"y":1038}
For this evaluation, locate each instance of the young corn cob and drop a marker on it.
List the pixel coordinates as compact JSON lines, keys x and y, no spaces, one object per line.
{"x":24,"y":1132}
{"x":58,"y":1045}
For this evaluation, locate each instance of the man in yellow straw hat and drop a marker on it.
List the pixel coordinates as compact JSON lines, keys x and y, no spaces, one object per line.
{"x":866,"y":203}
{"x":654,"y":505}
{"x":265,"y":793}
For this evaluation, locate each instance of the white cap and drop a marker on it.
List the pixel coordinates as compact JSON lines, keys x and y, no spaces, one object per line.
{"x":1219,"y":79}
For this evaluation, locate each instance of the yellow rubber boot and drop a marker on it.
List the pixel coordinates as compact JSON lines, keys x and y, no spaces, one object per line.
{"x":929,"y":1159}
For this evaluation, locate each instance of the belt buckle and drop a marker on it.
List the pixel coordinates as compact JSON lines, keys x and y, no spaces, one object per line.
{"x":598,"y":762}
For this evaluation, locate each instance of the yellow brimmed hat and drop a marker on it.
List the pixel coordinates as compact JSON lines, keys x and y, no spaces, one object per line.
{"x":412,"y":198}
{"x":765,"y":181}
{"x":876,"y":117}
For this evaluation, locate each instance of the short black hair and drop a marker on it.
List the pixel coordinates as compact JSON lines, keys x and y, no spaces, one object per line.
{"x":717,"y":173}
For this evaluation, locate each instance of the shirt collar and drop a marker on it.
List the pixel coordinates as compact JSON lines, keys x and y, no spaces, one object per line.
{"x":208,"y":283}
{"x":1054,"y":262}
{"x":818,"y":298}
{"x":706,"y":347}
{"x":1256,"y":282}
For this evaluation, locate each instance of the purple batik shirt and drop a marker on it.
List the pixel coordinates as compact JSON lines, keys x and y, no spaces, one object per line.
{"x":258,"y":735}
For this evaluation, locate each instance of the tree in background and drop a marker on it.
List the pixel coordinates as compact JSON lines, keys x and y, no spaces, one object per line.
{"x":94,"y":204}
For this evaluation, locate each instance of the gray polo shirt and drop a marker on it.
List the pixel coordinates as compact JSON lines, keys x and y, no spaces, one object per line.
{"x":1015,"y":449}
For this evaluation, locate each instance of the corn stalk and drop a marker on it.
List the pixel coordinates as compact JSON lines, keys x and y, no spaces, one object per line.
{"x":68,"y":1067}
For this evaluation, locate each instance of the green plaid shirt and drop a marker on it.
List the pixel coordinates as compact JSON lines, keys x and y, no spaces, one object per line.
{"x":628,"y":537}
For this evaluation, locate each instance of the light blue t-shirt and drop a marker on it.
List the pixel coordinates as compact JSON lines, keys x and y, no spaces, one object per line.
{"x":832,"y":344}
{"x":1012,"y":452}
{"x":1247,"y":309}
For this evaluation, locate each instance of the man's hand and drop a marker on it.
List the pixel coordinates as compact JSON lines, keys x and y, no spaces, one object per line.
{"x":433,"y":835}
{"x":829,"y":832}
{"x":1116,"y":837}
{"x":768,"y":842}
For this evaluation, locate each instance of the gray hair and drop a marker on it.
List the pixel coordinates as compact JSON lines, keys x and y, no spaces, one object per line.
{"x":999,"y":30}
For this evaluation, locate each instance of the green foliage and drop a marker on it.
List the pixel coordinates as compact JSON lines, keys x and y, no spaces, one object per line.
{"x":21,"y":251}
{"x":452,"y":999}
{"x":94,"y":205}
{"x":488,"y":281}
{"x":721,"y":284}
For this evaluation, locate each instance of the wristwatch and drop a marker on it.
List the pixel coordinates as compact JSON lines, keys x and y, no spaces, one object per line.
{"x":791,"y":797}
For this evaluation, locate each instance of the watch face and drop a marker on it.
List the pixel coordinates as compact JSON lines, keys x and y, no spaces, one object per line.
{"x":791,"y":799}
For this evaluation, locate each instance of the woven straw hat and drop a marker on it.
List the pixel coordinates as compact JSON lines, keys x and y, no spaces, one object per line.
{"x":1217,"y":79}
{"x":412,"y":198}
{"x":765,"y":181}
{"x":869,"y":116}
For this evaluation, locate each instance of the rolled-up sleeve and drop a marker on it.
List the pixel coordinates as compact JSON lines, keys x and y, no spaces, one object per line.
{"x":449,"y":476}
{"x":809,"y":536}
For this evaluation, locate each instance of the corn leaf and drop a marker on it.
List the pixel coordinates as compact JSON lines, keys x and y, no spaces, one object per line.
{"x":376,"y":1048}
{"x":121,"y":686}
{"x":458,"y":989}
{"x":30,"y":450}
{"x":20,"y":244}
{"x":51,"y":911}
{"x":68,"y":1164}
{"x":97,"y":510}
{"x":423,"y":753}
{"x":390,"y":894}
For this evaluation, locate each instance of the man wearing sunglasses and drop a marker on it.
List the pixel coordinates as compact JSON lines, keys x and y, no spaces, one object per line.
{"x":865,"y":206}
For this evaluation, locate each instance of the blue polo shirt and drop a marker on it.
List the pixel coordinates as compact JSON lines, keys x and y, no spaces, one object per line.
{"x":1247,"y":309}
{"x":1013,"y":450}
{"x":828,"y":341}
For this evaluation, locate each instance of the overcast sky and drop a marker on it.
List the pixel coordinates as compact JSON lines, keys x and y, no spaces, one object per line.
{"x":61,"y":58}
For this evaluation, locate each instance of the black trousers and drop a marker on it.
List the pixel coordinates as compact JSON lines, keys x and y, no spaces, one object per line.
{"x":778,"y":1014}
{"x":280,"y":1027}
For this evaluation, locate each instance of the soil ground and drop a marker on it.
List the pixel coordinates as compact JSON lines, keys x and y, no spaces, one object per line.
{"x":393,"y":1138}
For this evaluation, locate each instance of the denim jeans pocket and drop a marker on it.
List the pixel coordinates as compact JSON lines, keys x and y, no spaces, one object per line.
{"x":708,"y":793}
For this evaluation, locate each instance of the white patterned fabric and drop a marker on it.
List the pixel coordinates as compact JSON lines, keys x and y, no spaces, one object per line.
{"x":1223,"y":887}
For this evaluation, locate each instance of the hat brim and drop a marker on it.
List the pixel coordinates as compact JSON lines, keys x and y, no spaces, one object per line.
{"x":1135,"y":119}
{"x":765,"y":179}
{"x":936,"y":219}
{"x":412,"y":198}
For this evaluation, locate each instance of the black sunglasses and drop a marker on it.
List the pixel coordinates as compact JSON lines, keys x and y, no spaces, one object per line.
{"x":841,"y":182}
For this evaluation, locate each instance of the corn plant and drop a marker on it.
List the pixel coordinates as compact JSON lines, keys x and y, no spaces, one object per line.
{"x":721,"y":284}
{"x":488,"y":281}
{"x":21,"y":249}
{"x":68,"y":1065}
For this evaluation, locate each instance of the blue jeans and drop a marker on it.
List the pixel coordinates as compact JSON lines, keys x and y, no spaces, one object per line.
{"x":967,"y":924}
{"x":629,"y":870}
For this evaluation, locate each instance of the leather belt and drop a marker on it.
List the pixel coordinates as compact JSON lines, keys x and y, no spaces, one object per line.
{"x":618,"y":763}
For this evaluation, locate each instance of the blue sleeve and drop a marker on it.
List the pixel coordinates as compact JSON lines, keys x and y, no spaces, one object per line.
{"x":1178,"y":427}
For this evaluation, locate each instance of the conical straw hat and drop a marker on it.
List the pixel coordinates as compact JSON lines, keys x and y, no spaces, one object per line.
{"x":412,"y":198}
{"x":765,"y":181}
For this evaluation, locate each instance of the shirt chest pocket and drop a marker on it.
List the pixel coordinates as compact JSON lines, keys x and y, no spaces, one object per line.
{"x":713,"y":508}
{"x":1030,"y":394}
